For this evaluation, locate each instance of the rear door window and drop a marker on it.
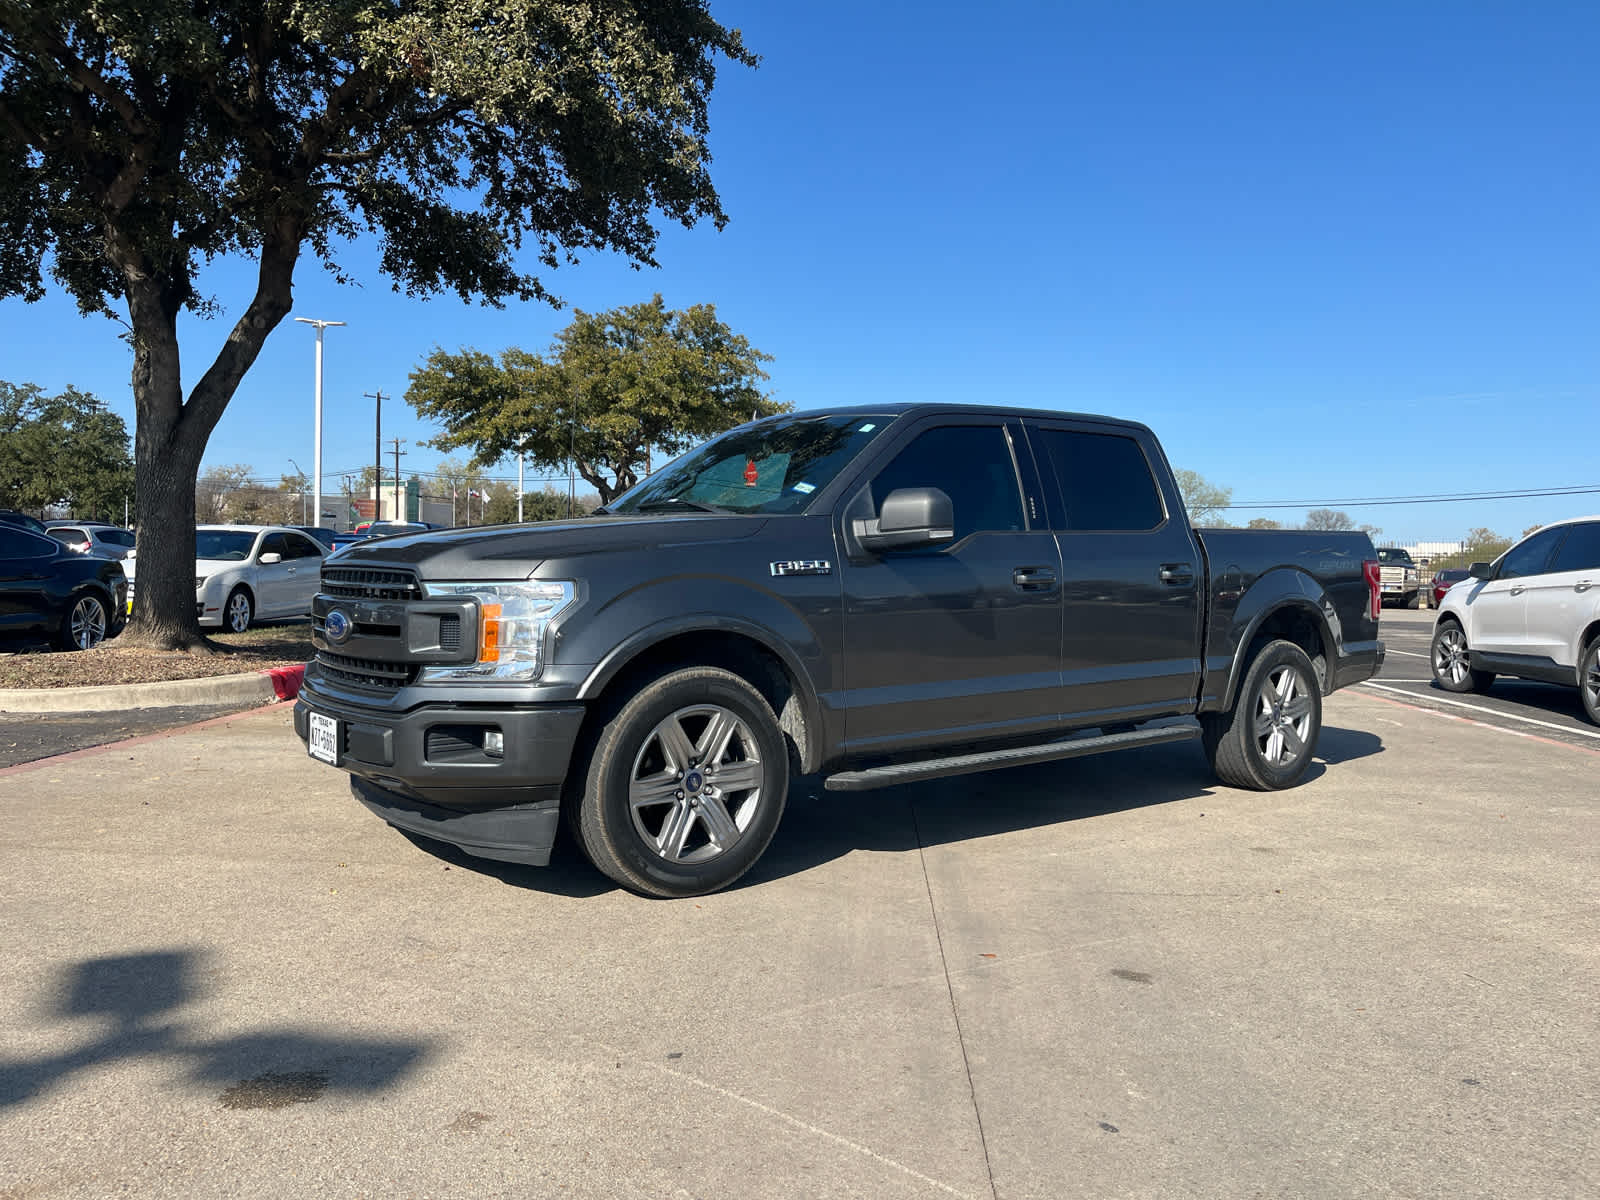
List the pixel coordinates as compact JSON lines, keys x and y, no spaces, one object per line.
{"x":1104,"y":480}
{"x":1581,"y":550}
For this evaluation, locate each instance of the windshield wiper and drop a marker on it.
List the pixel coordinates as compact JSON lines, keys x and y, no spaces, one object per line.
{"x":679,"y":502}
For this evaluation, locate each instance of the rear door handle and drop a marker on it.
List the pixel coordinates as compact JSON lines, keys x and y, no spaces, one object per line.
{"x":1034,"y":579}
{"x":1177,"y":574}
{"x":1583,"y":585}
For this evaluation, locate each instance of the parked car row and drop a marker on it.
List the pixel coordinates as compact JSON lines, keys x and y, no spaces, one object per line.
{"x":1533,"y":613}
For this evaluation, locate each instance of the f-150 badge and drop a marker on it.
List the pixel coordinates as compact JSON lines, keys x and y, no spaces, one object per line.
{"x":805,"y":566}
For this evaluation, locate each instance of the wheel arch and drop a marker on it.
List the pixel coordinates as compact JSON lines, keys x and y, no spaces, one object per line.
{"x":1291,"y":619}
{"x":745,"y":649}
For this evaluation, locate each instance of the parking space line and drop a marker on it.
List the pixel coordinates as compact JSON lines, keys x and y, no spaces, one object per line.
{"x":1407,"y":653}
{"x":1493,"y":712}
{"x":1444,"y":716}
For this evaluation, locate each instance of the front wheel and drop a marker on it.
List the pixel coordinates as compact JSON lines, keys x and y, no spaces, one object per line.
{"x":1452,"y":661}
{"x":1589,"y":679}
{"x":1267,"y":739}
{"x":84,"y":627}
{"x":685,"y":785}
{"x":1414,"y":600}
{"x":239,"y":612}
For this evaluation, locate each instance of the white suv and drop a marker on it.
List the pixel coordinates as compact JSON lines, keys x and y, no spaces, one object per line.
{"x":1534,"y":613}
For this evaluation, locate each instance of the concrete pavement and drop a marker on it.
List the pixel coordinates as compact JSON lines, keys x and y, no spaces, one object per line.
{"x":1108,"y":977}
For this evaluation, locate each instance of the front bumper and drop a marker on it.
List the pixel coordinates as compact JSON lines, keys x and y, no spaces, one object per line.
{"x":427,"y":770}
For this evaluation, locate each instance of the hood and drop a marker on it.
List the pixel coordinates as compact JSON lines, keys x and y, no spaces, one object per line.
{"x":513,"y":551}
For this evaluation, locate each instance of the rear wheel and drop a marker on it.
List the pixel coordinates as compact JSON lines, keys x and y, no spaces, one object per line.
{"x":1589,"y":679}
{"x":1267,"y":739}
{"x":685,"y":785}
{"x":84,"y":627}
{"x":1452,"y":660}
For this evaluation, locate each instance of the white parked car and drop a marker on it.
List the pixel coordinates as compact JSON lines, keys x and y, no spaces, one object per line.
{"x":249,"y":573}
{"x":1533,"y":613}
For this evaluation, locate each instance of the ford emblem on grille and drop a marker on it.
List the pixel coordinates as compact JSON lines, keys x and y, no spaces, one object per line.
{"x":338,"y":626}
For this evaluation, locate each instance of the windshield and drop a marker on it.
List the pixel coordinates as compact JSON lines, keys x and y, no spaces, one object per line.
{"x":227,"y":545}
{"x":773,"y":467}
{"x":1394,"y":556}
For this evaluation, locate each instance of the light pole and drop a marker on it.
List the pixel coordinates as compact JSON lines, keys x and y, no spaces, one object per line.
{"x":302,"y":475}
{"x":316,"y":453}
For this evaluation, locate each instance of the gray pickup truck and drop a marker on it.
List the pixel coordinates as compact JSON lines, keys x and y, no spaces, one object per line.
{"x":870,"y":595}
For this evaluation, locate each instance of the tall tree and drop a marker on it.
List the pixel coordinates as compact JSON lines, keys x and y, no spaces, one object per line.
{"x":140,"y":140}
{"x":615,"y":386}
{"x":67,"y":450}
{"x":1206,"y":501}
{"x":1329,"y":519}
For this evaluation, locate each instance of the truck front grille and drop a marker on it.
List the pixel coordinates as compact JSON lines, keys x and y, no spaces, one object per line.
{"x":365,"y":672}
{"x":369,"y":583}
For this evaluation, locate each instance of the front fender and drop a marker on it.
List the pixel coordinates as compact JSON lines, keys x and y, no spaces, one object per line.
{"x":797,"y":629}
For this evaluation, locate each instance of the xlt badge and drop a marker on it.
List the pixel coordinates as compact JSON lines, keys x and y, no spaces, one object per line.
{"x":803,"y":566}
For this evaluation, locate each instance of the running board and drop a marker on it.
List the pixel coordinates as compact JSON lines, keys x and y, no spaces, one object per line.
{"x":966,"y":764}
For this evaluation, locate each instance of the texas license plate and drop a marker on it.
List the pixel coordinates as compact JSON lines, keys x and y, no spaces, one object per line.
{"x":324,"y":740}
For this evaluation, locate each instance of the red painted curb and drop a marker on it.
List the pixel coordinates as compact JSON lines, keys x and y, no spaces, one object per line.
{"x":286,"y":680}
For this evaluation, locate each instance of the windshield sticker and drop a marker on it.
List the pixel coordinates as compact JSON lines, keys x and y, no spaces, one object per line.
{"x":867,"y":428}
{"x":805,"y":489}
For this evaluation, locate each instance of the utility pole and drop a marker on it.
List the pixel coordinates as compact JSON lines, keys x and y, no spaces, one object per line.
{"x":397,"y":453}
{"x":377,"y":448}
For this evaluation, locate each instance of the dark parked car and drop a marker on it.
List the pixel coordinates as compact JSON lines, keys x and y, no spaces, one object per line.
{"x":47,"y":590}
{"x":322,"y":533}
{"x":10,"y":516}
{"x":1443,"y":580}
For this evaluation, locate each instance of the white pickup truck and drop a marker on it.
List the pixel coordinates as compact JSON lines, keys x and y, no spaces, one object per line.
{"x":1399,"y":580}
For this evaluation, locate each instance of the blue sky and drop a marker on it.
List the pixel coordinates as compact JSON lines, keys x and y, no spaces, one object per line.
{"x":1326,"y":252}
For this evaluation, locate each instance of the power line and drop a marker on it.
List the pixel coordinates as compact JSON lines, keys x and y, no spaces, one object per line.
{"x":1352,"y":502}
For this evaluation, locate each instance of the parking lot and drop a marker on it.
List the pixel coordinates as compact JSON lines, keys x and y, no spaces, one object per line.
{"x":1104,"y":977}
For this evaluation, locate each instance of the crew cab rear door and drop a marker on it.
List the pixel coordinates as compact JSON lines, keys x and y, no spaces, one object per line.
{"x":1131,"y":569}
{"x":957,"y":641}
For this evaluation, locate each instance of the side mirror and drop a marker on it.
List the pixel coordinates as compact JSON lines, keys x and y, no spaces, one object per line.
{"x":1481,"y":570}
{"x":267,"y":559}
{"x":909,"y":517}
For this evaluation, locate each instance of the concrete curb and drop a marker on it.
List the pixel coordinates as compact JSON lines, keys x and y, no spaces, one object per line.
{"x":258,"y":687}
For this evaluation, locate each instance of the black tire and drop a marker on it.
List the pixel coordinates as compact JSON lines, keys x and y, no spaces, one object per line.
{"x":1415,"y":601}
{"x":701,"y":835}
{"x":1589,"y":679}
{"x":239,"y":611}
{"x":85,"y":624}
{"x":1267,"y":739}
{"x":1451,"y":662}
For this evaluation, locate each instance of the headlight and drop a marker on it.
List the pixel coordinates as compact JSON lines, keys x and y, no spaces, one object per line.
{"x":513,"y":619}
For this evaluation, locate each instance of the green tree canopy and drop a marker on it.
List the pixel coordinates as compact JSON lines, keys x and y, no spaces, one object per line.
{"x":66,"y":450}
{"x":615,"y":387}
{"x":1206,"y":501}
{"x":1329,"y":519}
{"x":142,"y":139}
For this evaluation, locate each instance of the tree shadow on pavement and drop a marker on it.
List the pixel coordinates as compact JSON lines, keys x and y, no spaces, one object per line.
{"x":131,"y":1007}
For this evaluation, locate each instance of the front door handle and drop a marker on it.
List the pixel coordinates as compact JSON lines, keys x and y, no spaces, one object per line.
{"x":1034,"y":579}
{"x":1177,"y":574}
{"x":1583,"y":585}
{"x":1518,"y":590}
